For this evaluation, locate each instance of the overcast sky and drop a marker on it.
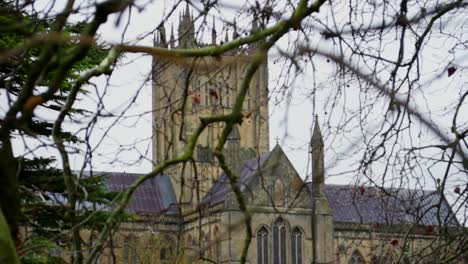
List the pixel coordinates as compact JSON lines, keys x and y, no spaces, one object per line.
{"x":290,"y":120}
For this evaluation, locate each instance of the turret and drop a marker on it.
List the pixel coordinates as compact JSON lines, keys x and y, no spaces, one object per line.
{"x":318,"y":171}
{"x":172,"y":38}
{"x":186,"y":29}
{"x":213,"y":33}
{"x":322,"y":218}
{"x":254,"y":25}
{"x":235,"y":34}
{"x":160,"y":37}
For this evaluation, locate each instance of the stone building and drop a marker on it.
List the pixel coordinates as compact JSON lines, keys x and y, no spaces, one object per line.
{"x":191,"y":214}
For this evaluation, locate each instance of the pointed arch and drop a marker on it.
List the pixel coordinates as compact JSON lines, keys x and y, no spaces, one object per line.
{"x":262,"y":245}
{"x":279,"y":241}
{"x":207,"y":245}
{"x":189,"y":240}
{"x":217,"y":237}
{"x":167,"y":251}
{"x":130,"y":250}
{"x":296,"y":246}
{"x":356,"y":258}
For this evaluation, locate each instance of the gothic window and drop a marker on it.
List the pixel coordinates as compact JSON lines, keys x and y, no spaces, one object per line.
{"x":189,"y":240}
{"x":130,"y":251}
{"x":356,"y":258}
{"x":248,"y":100}
{"x":262,"y":246}
{"x":204,"y":154}
{"x":207,"y":94}
{"x":166,"y":252}
{"x":279,"y":241}
{"x":296,"y":246}
{"x":207,"y":246}
{"x":217,"y":236}
{"x":163,"y":254}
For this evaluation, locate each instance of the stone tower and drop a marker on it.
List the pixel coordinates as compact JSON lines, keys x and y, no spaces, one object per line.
{"x":186,"y":89}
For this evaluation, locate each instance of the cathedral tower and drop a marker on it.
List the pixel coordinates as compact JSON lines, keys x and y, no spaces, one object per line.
{"x":186,"y":89}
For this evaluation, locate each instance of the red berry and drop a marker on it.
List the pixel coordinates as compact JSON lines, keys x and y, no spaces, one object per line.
{"x":196,"y":99}
{"x":429,"y":229}
{"x":362,"y":190}
{"x":214,"y":94}
{"x":394,"y":242}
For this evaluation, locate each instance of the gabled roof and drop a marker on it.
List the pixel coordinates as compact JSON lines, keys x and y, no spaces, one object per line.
{"x":154,"y":196}
{"x":349,"y":204}
{"x":220,"y":188}
{"x":389,"y":206}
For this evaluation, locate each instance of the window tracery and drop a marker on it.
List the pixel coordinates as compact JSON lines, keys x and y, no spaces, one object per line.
{"x":262,"y":246}
{"x":217,"y":236}
{"x":296,"y":246}
{"x":279,"y":241}
{"x":356,"y":258}
{"x":166,"y":251}
{"x":130,"y":251}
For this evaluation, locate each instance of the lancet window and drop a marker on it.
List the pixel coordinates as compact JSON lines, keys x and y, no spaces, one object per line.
{"x":279,"y":242}
{"x":262,"y":246}
{"x":356,"y":258}
{"x":296,"y":246}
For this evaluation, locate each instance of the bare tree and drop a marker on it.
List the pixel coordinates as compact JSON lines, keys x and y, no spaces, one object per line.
{"x":387,"y":79}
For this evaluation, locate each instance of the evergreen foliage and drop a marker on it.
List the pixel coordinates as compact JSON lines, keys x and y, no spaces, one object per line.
{"x":42,"y":194}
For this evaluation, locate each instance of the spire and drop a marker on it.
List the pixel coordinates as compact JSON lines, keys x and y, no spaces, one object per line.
{"x":316,"y":145}
{"x":254,"y":25}
{"x":172,"y":38}
{"x":156,"y":39}
{"x":186,"y":29}
{"x":187,"y":11}
{"x":322,"y":218}
{"x":162,"y":35}
{"x":213,"y":33}
{"x":235,"y":34}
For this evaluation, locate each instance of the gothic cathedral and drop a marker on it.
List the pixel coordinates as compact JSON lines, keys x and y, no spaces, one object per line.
{"x":191,"y":214}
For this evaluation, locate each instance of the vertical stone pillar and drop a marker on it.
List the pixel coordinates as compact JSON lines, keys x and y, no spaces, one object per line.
{"x":322,"y":218}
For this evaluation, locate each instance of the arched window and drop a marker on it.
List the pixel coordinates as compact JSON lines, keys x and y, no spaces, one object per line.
{"x":279,"y":241}
{"x":166,"y":251}
{"x":356,"y":258}
{"x":207,"y":94}
{"x":207,"y":246}
{"x":163,"y":254}
{"x":217,"y":236}
{"x":189,"y":240}
{"x":262,"y":246}
{"x":296,"y":246}
{"x":130,"y":251}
